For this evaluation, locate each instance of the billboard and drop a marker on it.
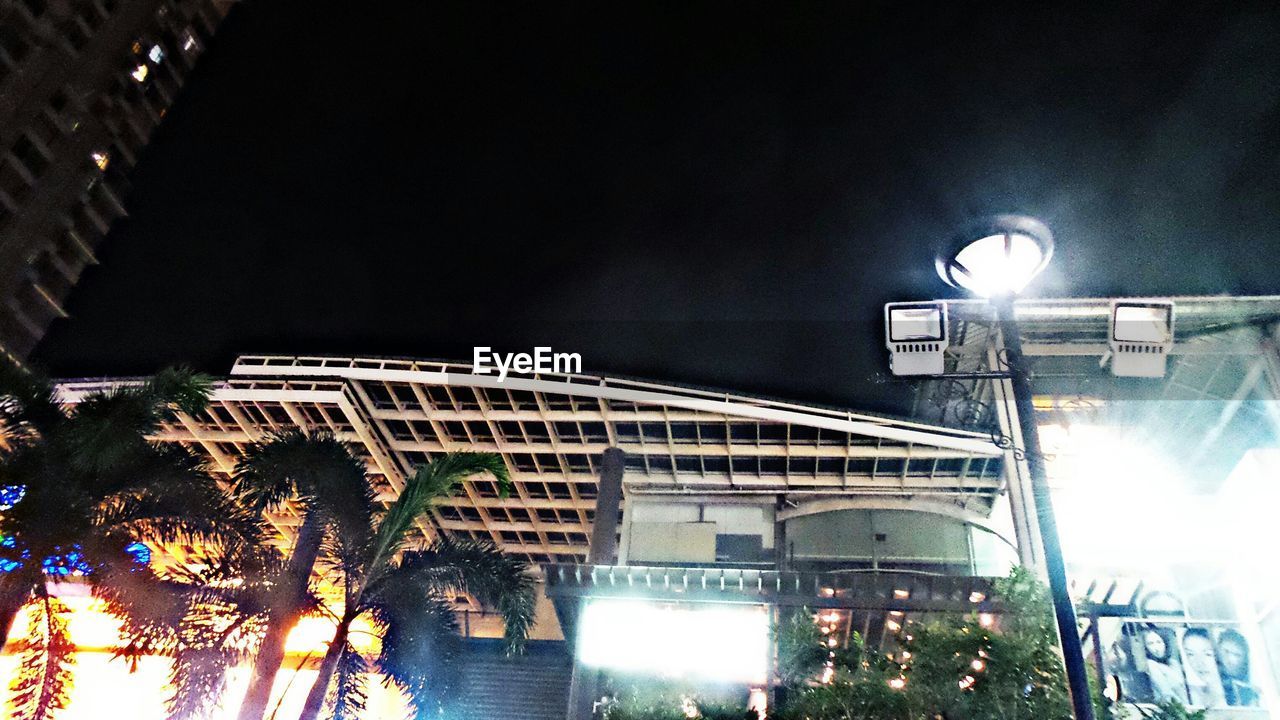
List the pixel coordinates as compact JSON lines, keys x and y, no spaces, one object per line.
{"x":1199,"y":665}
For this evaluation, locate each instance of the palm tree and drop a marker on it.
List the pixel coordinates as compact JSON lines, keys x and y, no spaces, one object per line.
{"x":406,"y":593}
{"x":327,"y":488}
{"x":84,"y":493}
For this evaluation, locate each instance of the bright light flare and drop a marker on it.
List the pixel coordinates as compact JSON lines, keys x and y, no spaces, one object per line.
{"x":709,"y":642}
{"x":1120,"y":501}
{"x":998,"y":264}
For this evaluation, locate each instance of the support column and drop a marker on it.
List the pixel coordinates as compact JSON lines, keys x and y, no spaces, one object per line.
{"x":604,"y":531}
{"x":1054,"y":565}
{"x":1017,"y":474}
{"x":584,"y":685}
{"x":781,"y":553}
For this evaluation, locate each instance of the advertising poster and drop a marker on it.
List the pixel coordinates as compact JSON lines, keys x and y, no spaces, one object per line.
{"x":1204,"y":666}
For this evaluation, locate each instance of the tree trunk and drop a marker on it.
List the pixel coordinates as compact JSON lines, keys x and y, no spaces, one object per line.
{"x":284,"y":612}
{"x":315,"y":698}
{"x":10,"y":606}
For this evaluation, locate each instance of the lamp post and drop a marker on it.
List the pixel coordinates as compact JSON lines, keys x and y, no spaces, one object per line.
{"x":997,"y":258}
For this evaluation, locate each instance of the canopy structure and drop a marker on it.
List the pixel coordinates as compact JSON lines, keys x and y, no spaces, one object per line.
{"x":1216,"y":400}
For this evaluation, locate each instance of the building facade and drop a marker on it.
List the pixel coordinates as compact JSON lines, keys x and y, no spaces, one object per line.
{"x":670,"y":524}
{"x":83,"y":84}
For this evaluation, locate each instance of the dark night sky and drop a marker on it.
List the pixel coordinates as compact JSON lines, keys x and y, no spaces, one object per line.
{"x":721,"y":194}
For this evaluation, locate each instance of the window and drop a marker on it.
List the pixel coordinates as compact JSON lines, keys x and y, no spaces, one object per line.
{"x":46,"y":129}
{"x":35,"y":7}
{"x":13,"y":43}
{"x":29,"y":155}
{"x":75,"y":33}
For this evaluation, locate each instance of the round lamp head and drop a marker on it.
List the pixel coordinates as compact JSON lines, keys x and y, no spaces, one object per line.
{"x":1000,"y":255}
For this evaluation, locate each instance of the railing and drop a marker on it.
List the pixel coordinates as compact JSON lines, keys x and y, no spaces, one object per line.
{"x":888,"y":589}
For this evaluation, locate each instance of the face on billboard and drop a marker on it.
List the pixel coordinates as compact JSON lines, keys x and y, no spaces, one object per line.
{"x":1234,"y":658}
{"x":1157,"y":649}
{"x":1198,"y":651}
{"x":1152,"y":662}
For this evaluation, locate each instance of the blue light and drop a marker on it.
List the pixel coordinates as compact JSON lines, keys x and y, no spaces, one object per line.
{"x":10,"y":495}
{"x":71,"y":562}
{"x":8,"y":566}
{"x":68,"y":563}
{"x":140,"y":552}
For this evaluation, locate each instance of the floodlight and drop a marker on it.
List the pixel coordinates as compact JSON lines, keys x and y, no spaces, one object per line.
{"x":1140,"y":337}
{"x":997,"y":256}
{"x":916,"y":336}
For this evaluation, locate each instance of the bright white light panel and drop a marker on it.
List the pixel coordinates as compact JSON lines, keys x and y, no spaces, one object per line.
{"x":690,"y":641}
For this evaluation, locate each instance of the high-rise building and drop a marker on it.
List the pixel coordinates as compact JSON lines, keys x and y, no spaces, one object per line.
{"x":83,"y":84}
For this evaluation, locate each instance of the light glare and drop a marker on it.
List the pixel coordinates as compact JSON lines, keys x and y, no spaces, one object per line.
{"x":729,"y":644}
{"x":990,"y":267}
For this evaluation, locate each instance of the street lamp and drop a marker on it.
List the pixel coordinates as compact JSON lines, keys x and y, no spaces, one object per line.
{"x":996,"y":258}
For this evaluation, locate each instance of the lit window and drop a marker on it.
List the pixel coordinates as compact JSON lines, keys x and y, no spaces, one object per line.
{"x":136,"y":48}
{"x":101,"y":159}
{"x":189,"y":42}
{"x":140,"y":73}
{"x":156,"y":53}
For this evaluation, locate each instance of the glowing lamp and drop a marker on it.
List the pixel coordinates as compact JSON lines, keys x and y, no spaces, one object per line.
{"x":997,"y":256}
{"x":1140,"y":337}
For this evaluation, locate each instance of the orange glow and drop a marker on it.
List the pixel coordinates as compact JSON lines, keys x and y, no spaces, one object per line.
{"x":311,"y":636}
{"x":90,"y":626}
{"x":103,"y":682}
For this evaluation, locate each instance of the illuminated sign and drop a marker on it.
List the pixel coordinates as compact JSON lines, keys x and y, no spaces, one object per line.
{"x":726,"y":643}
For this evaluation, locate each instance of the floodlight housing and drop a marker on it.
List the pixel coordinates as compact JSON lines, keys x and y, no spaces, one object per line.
{"x":916,"y":335}
{"x":1140,"y":335}
{"x":996,"y":256}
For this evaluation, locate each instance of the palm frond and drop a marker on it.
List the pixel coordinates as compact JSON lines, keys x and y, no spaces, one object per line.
{"x":179,"y":388}
{"x":106,"y":431}
{"x":172,"y":499}
{"x":432,"y":481}
{"x":42,"y":685}
{"x":351,"y":694}
{"x":442,"y":474}
{"x":212,"y":643}
{"x":420,"y":648}
{"x":480,"y":568}
{"x":318,"y":470}
{"x":28,"y":407}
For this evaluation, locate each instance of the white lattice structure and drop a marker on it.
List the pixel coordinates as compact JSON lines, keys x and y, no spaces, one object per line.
{"x":551,"y":429}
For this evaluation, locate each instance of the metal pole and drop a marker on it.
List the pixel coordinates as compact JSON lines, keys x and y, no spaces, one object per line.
{"x":1063,"y":610}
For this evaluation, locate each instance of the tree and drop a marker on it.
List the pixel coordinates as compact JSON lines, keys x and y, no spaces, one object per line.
{"x":954,"y":667}
{"x":832,"y":683}
{"x":961,"y":668}
{"x":84,"y":495}
{"x":330,"y":494}
{"x":406,"y":594}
